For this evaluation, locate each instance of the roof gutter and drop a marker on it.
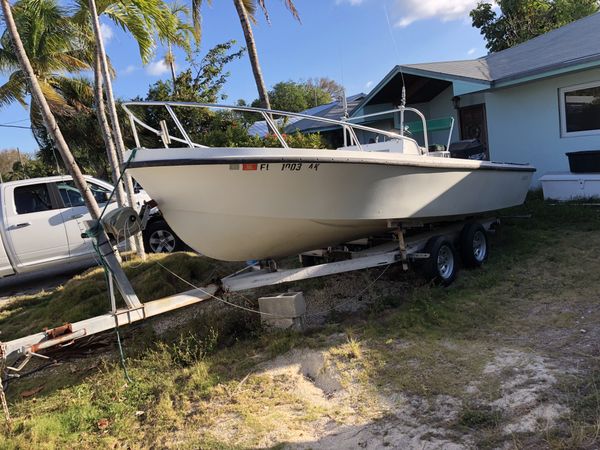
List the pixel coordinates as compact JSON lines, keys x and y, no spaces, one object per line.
{"x":588,"y":62}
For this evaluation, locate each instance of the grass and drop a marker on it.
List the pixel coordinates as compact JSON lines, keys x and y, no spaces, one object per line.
{"x":86,"y":296}
{"x":203,"y":386}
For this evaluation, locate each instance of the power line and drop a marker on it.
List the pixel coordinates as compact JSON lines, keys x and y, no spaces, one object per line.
{"x":17,"y":121}
{"x":14,"y":126}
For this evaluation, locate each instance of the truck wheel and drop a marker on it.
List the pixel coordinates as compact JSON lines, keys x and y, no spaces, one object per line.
{"x":474,"y":247}
{"x":159,"y":238}
{"x":441,"y":266}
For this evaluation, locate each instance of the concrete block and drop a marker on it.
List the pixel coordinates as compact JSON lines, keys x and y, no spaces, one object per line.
{"x":283,"y":310}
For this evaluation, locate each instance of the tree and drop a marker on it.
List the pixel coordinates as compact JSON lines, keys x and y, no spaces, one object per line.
{"x":37,"y":93}
{"x":521,"y":20}
{"x":183,"y":35}
{"x":246,"y":11}
{"x":8,"y":157}
{"x":202,"y":82}
{"x":65,"y":50}
{"x":28,"y":167}
{"x":81,"y":131}
{"x":143,"y":19}
{"x":333,"y":88}
{"x":295,"y":97}
{"x":65,"y":153}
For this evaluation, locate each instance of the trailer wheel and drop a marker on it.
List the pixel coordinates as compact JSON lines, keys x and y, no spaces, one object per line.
{"x":441,"y":266}
{"x":308,"y":260}
{"x":160,"y":238}
{"x":474,"y":246}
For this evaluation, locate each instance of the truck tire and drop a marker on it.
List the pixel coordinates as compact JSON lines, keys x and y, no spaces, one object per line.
{"x":474,"y":248}
{"x":160,"y":238}
{"x":441,"y":266}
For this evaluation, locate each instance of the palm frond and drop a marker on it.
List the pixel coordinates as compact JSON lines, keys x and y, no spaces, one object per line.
{"x":250,"y":7}
{"x":289,"y":4}
{"x":197,"y":18}
{"x":73,"y":63}
{"x":132,"y":21}
{"x":57,"y":102}
{"x":14,"y":90}
{"x":292,"y":8}
{"x":77,"y":92}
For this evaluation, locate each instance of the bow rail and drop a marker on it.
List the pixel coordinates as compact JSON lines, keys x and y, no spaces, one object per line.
{"x":349,"y":129}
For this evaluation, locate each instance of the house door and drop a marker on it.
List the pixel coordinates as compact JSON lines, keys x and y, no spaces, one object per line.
{"x":473,"y":125}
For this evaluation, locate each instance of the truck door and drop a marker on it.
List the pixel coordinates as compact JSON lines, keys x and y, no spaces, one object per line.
{"x":35,"y":230}
{"x":6,"y":267}
{"x":76,"y":214}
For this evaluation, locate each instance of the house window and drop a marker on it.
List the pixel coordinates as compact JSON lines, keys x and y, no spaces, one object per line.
{"x":580,"y":109}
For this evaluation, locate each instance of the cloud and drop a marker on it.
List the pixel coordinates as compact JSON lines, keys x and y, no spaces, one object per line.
{"x":107,"y":33}
{"x":129,"y":69}
{"x":157,"y":68}
{"x":350,"y":2}
{"x":369,"y":84}
{"x":471,"y":51}
{"x":410,"y":11}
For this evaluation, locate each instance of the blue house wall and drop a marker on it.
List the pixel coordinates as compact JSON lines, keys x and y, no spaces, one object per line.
{"x":524,"y":123}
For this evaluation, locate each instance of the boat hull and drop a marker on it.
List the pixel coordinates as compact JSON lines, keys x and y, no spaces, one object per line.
{"x":253,"y":208}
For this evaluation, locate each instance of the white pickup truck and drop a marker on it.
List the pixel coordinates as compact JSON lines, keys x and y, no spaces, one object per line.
{"x":41,"y":221}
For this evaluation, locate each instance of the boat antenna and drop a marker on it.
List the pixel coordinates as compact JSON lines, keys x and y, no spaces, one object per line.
{"x":389,"y":24}
{"x":344,"y":103}
{"x":403,"y":98}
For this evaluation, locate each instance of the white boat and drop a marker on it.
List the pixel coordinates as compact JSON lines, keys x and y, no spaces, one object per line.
{"x":239,"y":204}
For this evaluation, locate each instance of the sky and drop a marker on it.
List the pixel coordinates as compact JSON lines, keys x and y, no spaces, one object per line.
{"x":355,"y":42}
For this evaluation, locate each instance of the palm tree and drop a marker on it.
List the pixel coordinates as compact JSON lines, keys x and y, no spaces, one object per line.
{"x":141,"y":19}
{"x":38,"y":10}
{"x":37,"y":94}
{"x":64,"y":50}
{"x":246,"y":10}
{"x":183,"y":38}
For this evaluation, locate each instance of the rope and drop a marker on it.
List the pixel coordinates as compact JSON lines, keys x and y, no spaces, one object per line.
{"x":108,"y":273}
{"x":121,"y":354}
{"x":3,"y":399}
{"x":255,"y":311}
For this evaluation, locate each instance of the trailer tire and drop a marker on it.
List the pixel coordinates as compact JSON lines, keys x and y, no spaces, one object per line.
{"x":160,"y":238}
{"x":308,"y":260}
{"x":441,"y":266}
{"x":474,"y":247}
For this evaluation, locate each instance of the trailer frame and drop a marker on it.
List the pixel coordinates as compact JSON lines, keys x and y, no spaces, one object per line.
{"x":404,"y":249}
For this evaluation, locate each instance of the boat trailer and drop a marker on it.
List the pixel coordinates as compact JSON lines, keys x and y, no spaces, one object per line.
{"x":404,"y":249}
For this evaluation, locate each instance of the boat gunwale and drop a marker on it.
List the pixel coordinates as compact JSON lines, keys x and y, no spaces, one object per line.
{"x":257,"y":159}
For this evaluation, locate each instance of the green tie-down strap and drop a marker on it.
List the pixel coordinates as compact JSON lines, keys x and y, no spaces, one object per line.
{"x":432,"y":125}
{"x":93,"y":231}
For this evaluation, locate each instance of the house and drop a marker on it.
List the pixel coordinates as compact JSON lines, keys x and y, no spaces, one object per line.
{"x":530,"y":103}
{"x":331,"y":133}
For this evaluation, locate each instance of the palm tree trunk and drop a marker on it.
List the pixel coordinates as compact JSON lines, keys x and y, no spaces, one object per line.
{"x":114,"y":118}
{"x":49,"y":120}
{"x":263,"y":95}
{"x":171,"y":61}
{"x":106,"y":134}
